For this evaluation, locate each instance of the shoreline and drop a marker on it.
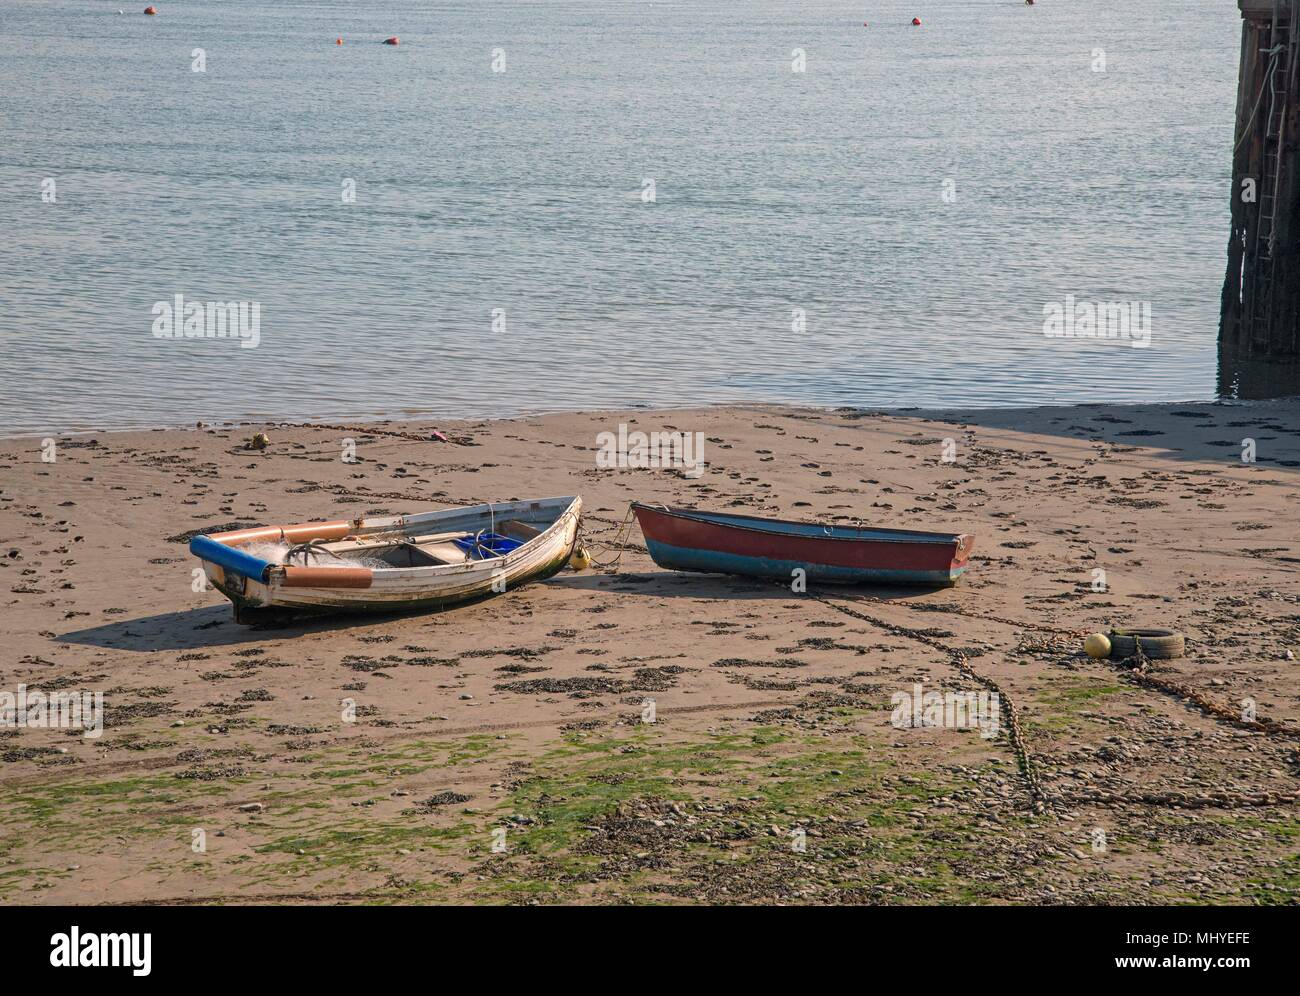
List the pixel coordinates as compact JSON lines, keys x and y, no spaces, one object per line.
{"x":377,"y":421}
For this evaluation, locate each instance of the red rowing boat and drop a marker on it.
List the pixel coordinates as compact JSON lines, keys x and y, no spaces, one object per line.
{"x":685,"y":539}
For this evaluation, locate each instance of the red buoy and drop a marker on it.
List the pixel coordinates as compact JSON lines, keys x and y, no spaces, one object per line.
{"x":916,"y":22}
{"x":338,"y":41}
{"x":392,"y":41}
{"x":150,"y":11}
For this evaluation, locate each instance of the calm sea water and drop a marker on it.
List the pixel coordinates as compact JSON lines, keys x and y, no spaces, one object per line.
{"x":522,"y":191}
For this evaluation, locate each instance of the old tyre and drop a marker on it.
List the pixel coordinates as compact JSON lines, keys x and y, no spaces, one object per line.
{"x":1158,"y":644}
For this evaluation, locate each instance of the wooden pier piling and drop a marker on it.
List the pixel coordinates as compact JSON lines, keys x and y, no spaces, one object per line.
{"x":1259,"y":331}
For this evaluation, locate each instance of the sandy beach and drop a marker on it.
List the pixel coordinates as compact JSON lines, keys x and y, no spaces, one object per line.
{"x":499,"y":752}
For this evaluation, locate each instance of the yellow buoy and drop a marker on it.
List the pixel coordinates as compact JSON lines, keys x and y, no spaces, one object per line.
{"x":259,"y":442}
{"x":580,"y":560}
{"x":1097,"y":645}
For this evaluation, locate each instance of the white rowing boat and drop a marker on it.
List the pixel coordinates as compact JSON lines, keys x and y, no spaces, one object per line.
{"x":396,"y":564}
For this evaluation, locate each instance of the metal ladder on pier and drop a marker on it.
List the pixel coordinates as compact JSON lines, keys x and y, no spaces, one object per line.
{"x":1276,"y":89}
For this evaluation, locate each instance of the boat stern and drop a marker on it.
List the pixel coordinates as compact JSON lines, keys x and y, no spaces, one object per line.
{"x":965,"y":543}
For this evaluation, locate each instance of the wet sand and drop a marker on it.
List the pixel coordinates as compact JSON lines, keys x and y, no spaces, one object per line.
{"x":227,"y":771}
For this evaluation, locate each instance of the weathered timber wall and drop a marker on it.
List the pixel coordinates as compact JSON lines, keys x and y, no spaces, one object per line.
{"x":1263,"y":358}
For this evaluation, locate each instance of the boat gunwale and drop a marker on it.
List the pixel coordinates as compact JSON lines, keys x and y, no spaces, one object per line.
{"x":485,"y":565}
{"x":399,"y":525}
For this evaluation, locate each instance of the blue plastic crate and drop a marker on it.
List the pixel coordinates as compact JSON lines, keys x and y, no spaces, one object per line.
{"x":488,"y":544}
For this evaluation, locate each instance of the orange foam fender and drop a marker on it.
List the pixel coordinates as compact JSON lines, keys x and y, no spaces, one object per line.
{"x":328,"y":577}
{"x":300,"y":533}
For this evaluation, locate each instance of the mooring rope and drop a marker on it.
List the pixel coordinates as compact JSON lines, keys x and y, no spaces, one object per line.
{"x":621,"y":537}
{"x":1264,"y":85}
{"x":312,"y":548}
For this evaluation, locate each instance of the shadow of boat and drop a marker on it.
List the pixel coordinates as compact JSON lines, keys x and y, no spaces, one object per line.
{"x":681,"y":584}
{"x":194,"y":629}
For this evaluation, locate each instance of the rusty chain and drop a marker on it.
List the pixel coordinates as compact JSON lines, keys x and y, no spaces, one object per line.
{"x":1024,"y":760}
{"x":1137,"y":670}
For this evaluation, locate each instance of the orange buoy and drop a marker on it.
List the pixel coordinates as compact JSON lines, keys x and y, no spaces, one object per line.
{"x":150,"y":11}
{"x":392,"y":41}
{"x":338,"y":41}
{"x":916,"y":22}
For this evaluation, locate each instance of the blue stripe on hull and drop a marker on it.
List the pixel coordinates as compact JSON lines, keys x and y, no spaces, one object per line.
{"x":228,"y":558}
{"x":678,"y":558}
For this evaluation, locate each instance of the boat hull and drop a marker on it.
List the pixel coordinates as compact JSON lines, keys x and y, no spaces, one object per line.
{"x":259,"y":589}
{"x":715,"y":543}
